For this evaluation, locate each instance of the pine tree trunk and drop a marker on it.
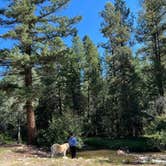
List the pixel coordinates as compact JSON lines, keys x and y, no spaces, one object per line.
{"x":158,"y":67}
{"x":31,"y":125}
{"x":60,"y":100}
{"x":88,"y":116}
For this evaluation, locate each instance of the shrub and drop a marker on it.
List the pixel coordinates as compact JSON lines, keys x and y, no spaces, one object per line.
{"x":5,"y":139}
{"x":159,"y":139}
{"x":132,"y":144}
{"x":59,"y":129}
{"x":156,"y":130}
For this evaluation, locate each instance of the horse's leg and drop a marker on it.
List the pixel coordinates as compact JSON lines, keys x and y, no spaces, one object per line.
{"x":52,"y":153}
{"x":64,"y":153}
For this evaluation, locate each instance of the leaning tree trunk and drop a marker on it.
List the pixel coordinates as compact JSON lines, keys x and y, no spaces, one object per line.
{"x":31,"y":125}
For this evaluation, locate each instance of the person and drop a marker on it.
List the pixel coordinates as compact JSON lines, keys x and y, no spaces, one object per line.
{"x":72,"y":143}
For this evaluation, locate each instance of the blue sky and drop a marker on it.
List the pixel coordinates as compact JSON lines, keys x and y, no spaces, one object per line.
{"x":89,"y":10}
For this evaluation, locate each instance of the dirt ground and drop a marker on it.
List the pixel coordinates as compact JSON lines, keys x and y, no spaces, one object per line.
{"x":23,"y":155}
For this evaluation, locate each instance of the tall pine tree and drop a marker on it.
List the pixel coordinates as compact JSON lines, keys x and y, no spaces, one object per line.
{"x":74,"y":69}
{"x":92,"y":78}
{"x":151,"y":32}
{"x":122,"y":104}
{"x":34,"y":25}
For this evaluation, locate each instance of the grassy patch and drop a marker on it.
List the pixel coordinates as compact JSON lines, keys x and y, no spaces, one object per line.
{"x":18,"y":155}
{"x":105,"y":156}
{"x":2,"y":150}
{"x":143,"y":144}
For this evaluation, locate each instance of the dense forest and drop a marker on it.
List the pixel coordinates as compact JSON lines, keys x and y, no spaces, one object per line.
{"x":48,"y":88}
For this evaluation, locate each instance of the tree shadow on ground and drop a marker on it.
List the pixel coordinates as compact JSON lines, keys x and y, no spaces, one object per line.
{"x":30,"y":151}
{"x":9,"y":145}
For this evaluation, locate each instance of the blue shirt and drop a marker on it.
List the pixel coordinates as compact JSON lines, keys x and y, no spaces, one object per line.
{"x":72,"y":141}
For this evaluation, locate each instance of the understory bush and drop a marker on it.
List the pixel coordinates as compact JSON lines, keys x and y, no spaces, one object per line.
{"x":5,"y":139}
{"x":142,"y":144}
{"x":58,"y":131}
{"x":156,"y":130}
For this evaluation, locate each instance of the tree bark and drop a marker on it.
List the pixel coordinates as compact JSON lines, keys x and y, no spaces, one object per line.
{"x":158,"y":67}
{"x":60,"y":100}
{"x":157,"y":54}
{"x":31,"y":125}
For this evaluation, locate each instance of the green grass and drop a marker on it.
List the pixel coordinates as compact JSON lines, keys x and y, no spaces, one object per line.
{"x":143,"y":144}
{"x":18,"y":155}
{"x":2,"y":150}
{"x":109,"y":155}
